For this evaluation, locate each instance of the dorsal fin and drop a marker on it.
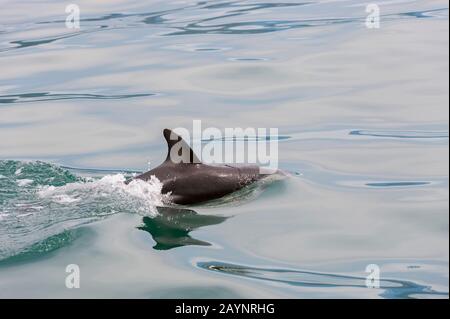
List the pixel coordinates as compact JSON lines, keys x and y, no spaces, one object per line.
{"x":181,"y":151}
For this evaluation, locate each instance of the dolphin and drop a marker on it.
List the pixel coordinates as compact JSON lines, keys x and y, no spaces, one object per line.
{"x":190,"y":181}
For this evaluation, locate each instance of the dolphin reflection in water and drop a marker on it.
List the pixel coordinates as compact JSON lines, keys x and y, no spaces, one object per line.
{"x":171,"y":227}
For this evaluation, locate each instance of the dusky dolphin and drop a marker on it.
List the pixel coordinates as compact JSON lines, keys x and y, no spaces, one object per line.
{"x":191,"y":181}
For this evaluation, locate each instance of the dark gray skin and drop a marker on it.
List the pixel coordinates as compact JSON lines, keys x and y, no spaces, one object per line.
{"x":193,"y":182}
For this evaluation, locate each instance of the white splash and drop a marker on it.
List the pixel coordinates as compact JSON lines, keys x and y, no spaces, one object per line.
{"x":144,"y":195}
{"x":64,"y":199}
{"x":24,"y":182}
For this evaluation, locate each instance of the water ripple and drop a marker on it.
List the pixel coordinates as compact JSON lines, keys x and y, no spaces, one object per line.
{"x":47,"y":96}
{"x":19,"y":44}
{"x":423,"y":14}
{"x":391,"y":288}
{"x":245,"y":138}
{"x":207,"y":13}
{"x":255,"y":27}
{"x":400,"y":134}
{"x":397,"y":184}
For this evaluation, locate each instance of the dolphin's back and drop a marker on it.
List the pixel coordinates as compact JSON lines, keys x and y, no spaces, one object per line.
{"x":192,"y":183}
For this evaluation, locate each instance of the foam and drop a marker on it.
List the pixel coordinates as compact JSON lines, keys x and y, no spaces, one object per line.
{"x":24,"y":182}
{"x":143,"y":194}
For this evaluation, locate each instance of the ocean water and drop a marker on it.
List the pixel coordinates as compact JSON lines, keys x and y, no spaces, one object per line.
{"x":363,"y":121}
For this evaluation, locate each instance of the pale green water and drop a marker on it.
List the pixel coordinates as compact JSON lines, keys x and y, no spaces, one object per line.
{"x":364,"y":119}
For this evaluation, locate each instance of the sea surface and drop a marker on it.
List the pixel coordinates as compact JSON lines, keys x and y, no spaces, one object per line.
{"x":363,"y":122}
